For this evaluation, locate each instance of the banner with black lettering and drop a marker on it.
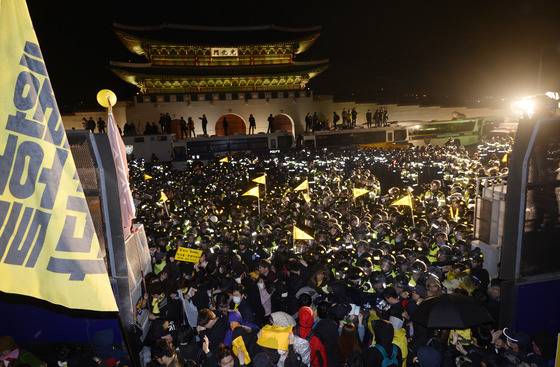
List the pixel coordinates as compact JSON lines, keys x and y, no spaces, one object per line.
{"x":48,"y":245}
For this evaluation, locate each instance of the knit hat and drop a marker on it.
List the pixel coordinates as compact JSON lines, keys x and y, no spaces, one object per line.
{"x":518,"y":337}
{"x":282,"y":319}
{"x":7,"y":343}
{"x":341,"y":310}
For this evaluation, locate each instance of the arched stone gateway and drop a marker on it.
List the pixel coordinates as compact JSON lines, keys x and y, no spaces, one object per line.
{"x":283,"y":122}
{"x":236,"y":124}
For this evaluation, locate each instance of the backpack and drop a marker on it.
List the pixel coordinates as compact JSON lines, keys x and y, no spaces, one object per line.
{"x":320,"y":348}
{"x":388,"y":362}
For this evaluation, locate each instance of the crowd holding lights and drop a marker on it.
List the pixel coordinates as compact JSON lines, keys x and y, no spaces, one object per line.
{"x":362,"y":248}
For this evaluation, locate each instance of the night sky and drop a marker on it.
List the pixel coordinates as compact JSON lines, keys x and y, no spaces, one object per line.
{"x":450,"y":49}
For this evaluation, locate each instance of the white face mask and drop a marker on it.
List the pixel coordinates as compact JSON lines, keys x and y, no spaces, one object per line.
{"x":236,"y":300}
{"x":260,"y":285}
{"x":238,"y":280}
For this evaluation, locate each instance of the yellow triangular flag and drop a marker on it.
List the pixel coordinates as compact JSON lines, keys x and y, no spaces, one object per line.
{"x":50,"y":249}
{"x":403,"y":201}
{"x":147,"y":177}
{"x":302,"y":186}
{"x":359,"y":192}
{"x":224,"y":160}
{"x":261,"y":180}
{"x":163,"y":196}
{"x":301,"y":235}
{"x":504,"y":159}
{"x":306,"y":197}
{"x":253,"y":192}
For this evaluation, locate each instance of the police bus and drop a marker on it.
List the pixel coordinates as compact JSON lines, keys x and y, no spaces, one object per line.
{"x":217,"y":146}
{"x":384,"y":137}
{"x":462,"y":132}
{"x":169,"y":148}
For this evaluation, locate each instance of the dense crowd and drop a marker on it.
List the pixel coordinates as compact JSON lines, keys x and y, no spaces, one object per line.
{"x":261,"y":295}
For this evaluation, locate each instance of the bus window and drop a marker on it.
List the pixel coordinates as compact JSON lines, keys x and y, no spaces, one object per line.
{"x":138,"y":140}
{"x":389,"y":136}
{"x":258,"y":143}
{"x":285,"y":141}
{"x":272,"y":143}
{"x":162,"y":138}
{"x":400,"y":135}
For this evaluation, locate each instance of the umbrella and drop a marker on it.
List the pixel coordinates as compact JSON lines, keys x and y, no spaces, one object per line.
{"x":450,"y":311}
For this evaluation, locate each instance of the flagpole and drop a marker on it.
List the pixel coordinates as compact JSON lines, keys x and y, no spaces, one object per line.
{"x":294,"y":236}
{"x":411,"y":210}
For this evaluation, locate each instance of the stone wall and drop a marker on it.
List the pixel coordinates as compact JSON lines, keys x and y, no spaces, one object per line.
{"x":296,"y":108}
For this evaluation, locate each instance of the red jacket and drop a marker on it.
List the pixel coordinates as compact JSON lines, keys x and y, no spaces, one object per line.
{"x":318,"y":354}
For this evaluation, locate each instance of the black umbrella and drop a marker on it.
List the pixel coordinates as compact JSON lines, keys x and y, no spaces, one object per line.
{"x":450,"y":311}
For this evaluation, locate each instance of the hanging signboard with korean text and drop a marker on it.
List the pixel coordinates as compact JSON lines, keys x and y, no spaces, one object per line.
{"x":224,"y":52}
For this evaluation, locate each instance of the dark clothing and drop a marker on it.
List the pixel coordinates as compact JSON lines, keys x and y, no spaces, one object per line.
{"x":101,"y":125}
{"x":91,"y":125}
{"x":327,"y":331}
{"x":336,"y":117}
{"x":252,"y":125}
{"x":217,"y":334}
{"x":270,"y":124}
{"x":374,"y":358}
{"x":190,"y":125}
{"x":183,"y":125}
{"x":225,"y":126}
{"x":245,"y":310}
{"x":192,"y":351}
{"x":480,"y":277}
{"x":308,"y":122}
{"x":204,"y":124}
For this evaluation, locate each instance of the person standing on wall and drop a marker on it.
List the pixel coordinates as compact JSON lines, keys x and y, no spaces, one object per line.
{"x":270,"y":124}
{"x":252,"y":124}
{"x":183,"y":125}
{"x":204,"y":124}
{"x":225,"y":125}
{"x":190,"y":125}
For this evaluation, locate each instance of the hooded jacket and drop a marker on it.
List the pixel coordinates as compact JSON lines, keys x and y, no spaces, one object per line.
{"x":235,"y":316}
{"x":305,"y":324}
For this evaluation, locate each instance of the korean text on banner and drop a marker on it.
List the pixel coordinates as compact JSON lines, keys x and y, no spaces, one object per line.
{"x":188,"y":254}
{"x":48,"y":244}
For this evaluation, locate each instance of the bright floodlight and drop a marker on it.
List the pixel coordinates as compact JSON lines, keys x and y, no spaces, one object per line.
{"x":542,"y":105}
{"x":524,"y":107}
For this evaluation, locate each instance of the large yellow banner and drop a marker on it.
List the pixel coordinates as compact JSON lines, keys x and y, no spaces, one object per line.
{"x":48,"y":245}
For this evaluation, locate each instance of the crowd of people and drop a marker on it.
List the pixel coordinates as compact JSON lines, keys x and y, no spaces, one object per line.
{"x":260,"y":294}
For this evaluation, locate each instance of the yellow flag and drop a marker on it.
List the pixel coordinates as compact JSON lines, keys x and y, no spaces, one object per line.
{"x":261,"y":180}
{"x":253,"y":192}
{"x":404,"y":201}
{"x":147,"y":177}
{"x":302,"y":186}
{"x":163,"y":196}
{"x":224,"y":160}
{"x":301,"y":235}
{"x":48,"y":245}
{"x":359,"y":192}
{"x":306,"y":197}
